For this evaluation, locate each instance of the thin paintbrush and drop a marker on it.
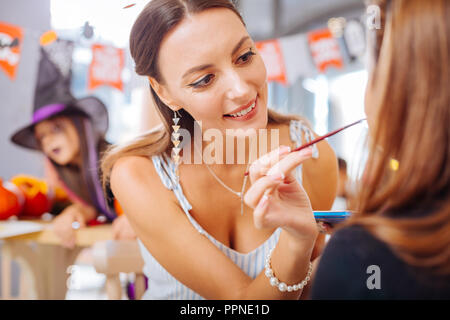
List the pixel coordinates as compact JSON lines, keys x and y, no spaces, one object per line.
{"x":318,"y":139}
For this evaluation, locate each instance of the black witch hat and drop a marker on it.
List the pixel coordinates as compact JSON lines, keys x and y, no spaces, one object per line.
{"x":53,"y":97}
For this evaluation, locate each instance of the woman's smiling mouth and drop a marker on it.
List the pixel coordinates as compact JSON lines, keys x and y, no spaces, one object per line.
{"x":244,"y":113}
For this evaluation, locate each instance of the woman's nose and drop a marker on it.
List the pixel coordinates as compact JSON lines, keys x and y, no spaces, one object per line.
{"x":237,"y":87}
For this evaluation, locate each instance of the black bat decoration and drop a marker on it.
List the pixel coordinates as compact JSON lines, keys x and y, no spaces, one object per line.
{"x":14,"y":43}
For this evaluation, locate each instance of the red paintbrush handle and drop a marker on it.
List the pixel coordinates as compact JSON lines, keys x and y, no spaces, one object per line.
{"x":318,"y":139}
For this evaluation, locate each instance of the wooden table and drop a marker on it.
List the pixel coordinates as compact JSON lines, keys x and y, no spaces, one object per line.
{"x":43,"y":261}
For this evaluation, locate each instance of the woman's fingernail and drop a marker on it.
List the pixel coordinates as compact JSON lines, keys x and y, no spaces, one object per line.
{"x":279,"y":176}
{"x":285,"y":150}
{"x":263,"y":202}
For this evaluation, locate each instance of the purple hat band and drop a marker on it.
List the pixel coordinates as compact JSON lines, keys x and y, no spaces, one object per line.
{"x":47,"y":111}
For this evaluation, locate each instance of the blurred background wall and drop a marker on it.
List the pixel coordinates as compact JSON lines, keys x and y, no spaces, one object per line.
{"x":16,"y":96}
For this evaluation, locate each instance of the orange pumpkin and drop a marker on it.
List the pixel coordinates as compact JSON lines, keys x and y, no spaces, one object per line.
{"x":118,"y":208}
{"x":10,"y":204}
{"x":37,"y":201}
{"x":58,"y":194}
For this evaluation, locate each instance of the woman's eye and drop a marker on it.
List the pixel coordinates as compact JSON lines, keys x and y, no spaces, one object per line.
{"x":203,"y":82}
{"x":247,"y":57}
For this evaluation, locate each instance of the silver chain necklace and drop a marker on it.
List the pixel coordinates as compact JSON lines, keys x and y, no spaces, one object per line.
{"x":239,"y":194}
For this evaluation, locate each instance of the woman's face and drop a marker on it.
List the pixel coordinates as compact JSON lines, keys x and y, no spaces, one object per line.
{"x":210,"y":68}
{"x":59,"y":140}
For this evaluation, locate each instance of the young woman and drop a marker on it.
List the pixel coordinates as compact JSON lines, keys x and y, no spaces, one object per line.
{"x":397,"y":244}
{"x":197,"y":239}
{"x":70,"y":133}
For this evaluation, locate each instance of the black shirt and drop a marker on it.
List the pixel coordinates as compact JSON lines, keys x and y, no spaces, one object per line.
{"x":356,"y":265}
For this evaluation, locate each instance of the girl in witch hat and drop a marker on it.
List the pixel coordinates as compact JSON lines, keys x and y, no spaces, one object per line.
{"x":70,"y":132}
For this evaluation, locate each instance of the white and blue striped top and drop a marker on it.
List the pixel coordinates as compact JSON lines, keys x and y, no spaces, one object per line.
{"x":161,"y":284}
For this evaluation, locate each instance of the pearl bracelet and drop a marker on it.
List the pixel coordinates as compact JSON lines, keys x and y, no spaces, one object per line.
{"x":274,"y":282}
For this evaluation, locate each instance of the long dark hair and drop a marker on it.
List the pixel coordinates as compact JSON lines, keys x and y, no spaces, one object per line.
{"x":84,"y":181}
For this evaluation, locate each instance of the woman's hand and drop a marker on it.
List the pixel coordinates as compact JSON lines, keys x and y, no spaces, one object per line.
{"x":276,"y":196}
{"x":63,"y":224}
{"x":122,"y":229}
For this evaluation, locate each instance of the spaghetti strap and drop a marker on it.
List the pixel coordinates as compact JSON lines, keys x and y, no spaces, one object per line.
{"x":296,"y":129}
{"x":160,"y":168}
{"x":166,"y":171}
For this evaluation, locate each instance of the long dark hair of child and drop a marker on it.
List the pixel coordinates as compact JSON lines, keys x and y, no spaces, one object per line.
{"x":83,"y":183}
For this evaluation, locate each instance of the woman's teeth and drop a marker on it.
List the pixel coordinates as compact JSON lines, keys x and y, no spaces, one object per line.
{"x":243,"y":112}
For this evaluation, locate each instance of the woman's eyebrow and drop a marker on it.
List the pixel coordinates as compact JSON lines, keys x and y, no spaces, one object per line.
{"x":198,"y":68}
{"x":239,"y":44}
{"x":206,"y":66}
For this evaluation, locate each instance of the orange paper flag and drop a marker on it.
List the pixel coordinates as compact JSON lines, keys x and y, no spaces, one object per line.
{"x":106,"y":67}
{"x":272,"y":56}
{"x":324,"y":49}
{"x":10,"y":45}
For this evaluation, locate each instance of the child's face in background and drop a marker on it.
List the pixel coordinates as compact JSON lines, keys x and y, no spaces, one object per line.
{"x":59,"y":140}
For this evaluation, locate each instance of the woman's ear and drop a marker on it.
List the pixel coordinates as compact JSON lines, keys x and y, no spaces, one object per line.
{"x":162,"y":93}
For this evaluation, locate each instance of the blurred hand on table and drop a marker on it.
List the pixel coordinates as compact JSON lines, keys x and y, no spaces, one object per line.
{"x":73,"y":217}
{"x":122,"y":229}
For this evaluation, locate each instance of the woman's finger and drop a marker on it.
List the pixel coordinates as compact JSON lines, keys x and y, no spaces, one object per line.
{"x":260,"y":212}
{"x":291,"y":161}
{"x":260,"y":167}
{"x":261,"y":187}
